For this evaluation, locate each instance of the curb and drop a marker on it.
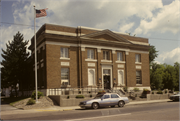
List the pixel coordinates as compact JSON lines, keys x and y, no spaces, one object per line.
{"x":146,"y":102}
{"x":67,"y":109}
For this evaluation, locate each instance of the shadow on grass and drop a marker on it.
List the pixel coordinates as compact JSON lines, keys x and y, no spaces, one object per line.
{"x":11,"y":100}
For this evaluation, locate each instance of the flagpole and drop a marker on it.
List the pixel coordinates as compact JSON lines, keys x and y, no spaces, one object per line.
{"x":35,"y":52}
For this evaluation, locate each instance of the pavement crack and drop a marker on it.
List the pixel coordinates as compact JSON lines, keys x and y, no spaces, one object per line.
{"x":105,"y":112}
{"x":110,"y":112}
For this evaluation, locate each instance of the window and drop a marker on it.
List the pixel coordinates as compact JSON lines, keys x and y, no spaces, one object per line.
{"x":91,"y":77}
{"x":120,"y":77}
{"x":37,"y":56}
{"x":41,"y":53}
{"x":90,"y":54}
{"x":138,"y":58}
{"x":138,"y":77}
{"x":64,"y":52}
{"x":106,"y":71}
{"x":106,"y":96}
{"x":65,"y":76}
{"x":114,"y":96}
{"x":119,"y":56}
{"x":106,"y":55}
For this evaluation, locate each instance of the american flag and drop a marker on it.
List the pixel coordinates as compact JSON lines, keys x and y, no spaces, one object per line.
{"x":41,"y":13}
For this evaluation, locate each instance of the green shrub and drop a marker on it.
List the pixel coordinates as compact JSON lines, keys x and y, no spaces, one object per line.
{"x":136,"y":89}
{"x":31,"y":102}
{"x":146,"y":89}
{"x":79,"y":96}
{"x":125,"y":89}
{"x":102,"y":91}
{"x":34,"y":94}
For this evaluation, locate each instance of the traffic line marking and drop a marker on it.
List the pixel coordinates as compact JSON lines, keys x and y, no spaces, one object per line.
{"x":99,"y":117}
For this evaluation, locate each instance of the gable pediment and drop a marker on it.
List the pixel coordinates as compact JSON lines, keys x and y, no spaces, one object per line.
{"x":106,"y":35}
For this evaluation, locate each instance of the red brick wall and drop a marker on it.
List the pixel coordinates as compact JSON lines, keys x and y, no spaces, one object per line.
{"x":131,"y":69}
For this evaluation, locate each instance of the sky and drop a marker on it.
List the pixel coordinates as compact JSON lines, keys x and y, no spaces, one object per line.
{"x":157,"y":20}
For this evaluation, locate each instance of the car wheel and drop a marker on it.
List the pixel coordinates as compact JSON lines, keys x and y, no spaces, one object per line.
{"x":95,"y":105}
{"x":121,"y":104}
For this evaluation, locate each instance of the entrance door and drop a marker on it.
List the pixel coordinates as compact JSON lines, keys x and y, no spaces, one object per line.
{"x":106,"y":78}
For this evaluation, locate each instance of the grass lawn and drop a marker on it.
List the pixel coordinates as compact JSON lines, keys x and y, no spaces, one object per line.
{"x":12,"y":100}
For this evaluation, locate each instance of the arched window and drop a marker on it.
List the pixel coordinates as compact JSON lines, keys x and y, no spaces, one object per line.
{"x":120,"y":77}
{"x":91,"y":77}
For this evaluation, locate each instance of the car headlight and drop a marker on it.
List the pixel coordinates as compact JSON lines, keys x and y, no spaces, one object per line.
{"x":82,"y":103}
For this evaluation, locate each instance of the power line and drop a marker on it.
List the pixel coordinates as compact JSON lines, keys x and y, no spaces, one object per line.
{"x":39,"y":26}
{"x":19,"y":24}
{"x":164,"y":39}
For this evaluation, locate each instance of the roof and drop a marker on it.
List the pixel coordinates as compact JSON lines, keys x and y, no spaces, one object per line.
{"x":86,"y":33}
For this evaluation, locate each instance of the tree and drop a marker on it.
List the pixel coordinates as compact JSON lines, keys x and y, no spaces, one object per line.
{"x":156,"y":76}
{"x":176,"y":68}
{"x":169,"y":78}
{"x":14,"y":62}
{"x":152,"y":54}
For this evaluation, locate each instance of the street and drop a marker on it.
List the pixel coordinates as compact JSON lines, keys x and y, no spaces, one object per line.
{"x":156,"y":111}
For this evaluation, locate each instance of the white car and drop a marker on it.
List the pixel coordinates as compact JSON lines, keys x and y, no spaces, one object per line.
{"x":105,"y":99}
{"x":175,"y":97}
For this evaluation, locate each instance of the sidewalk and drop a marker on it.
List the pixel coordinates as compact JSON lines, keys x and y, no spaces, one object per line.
{"x":58,"y":108}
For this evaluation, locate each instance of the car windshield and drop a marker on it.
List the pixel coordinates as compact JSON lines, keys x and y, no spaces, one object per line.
{"x":98,"y":96}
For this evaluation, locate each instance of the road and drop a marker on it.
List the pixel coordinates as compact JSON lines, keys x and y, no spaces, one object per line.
{"x":156,"y":111}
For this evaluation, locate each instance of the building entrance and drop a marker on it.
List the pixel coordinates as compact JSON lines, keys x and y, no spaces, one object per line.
{"x":106,"y":78}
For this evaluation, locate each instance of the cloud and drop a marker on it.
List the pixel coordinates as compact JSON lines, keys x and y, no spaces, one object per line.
{"x":105,"y":14}
{"x":126,"y":27}
{"x":157,"y":62}
{"x":166,"y":20}
{"x":170,"y":57}
{"x":9,"y":32}
{"x":115,"y":15}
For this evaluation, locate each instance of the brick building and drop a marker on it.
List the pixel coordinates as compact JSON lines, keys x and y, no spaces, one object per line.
{"x":86,"y":57}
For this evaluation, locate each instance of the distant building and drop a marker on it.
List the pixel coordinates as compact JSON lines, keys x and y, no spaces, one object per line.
{"x":83,"y":57}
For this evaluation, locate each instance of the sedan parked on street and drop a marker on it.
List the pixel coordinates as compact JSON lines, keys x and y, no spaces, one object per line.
{"x":103,"y":100}
{"x":175,"y":97}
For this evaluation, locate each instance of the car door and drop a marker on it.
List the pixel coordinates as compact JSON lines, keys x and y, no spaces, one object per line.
{"x":114,"y":99}
{"x":105,"y":100}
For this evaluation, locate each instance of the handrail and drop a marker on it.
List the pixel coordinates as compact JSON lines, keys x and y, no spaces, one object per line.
{"x":87,"y":89}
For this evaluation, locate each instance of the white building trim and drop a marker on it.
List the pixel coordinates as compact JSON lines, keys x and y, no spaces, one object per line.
{"x":93,"y":60}
{"x":120,"y":62}
{"x":138,"y":62}
{"x":62,"y":58}
{"x":111,"y":80}
{"x":119,"y":82}
{"x":95,"y":46}
{"x":60,"y":33}
{"x":94,"y":79}
{"x":140,"y":88}
{"x":106,"y":61}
